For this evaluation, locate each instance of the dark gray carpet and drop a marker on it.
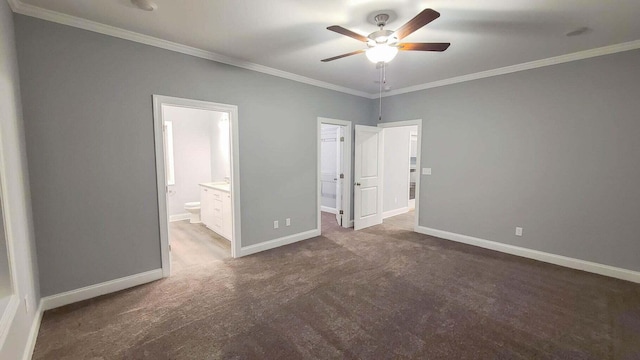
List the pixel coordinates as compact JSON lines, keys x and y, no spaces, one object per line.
{"x":380,"y":293}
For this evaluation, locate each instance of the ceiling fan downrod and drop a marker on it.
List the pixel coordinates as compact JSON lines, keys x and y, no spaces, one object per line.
{"x":381,"y":20}
{"x":383,"y":80}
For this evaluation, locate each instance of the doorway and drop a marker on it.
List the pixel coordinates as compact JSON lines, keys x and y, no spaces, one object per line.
{"x":401,"y":189}
{"x":399,"y":175}
{"x":373,"y":160}
{"x":197,"y":180}
{"x":334,"y":172}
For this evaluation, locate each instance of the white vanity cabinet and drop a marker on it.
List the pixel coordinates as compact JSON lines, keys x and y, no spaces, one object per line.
{"x":215,"y":208}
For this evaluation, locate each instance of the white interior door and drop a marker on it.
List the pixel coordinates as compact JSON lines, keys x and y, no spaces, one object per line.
{"x":339,"y":173}
{"x":368,"y":177}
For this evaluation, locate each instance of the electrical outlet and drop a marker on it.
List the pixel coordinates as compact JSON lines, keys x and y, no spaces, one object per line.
{"x":26,"y":304}
{"x":395,"y":199}
{"x":288,"y":222}
{"x":518,"y":231}
{"x":275,"y":224}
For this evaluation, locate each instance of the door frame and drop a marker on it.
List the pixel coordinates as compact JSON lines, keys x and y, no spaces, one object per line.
{"x":346,"y":164}
{"x":417,"y":122}
{"x":163,"y":216}
{"x":409,"y":190}
{"x":8,"y":313}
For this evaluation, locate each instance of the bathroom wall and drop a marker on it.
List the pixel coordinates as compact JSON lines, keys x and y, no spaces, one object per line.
{"x":192,"y":147}
{"x":396,"y":168}
{"x":220,"y":147}
{"x":328,"y":164}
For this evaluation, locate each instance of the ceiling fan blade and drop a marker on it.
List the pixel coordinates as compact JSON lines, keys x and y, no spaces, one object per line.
{"x":423,"y":46}
{"x":422,"y":19}
{"x":347,"y":32}
{"x":343,"y":55}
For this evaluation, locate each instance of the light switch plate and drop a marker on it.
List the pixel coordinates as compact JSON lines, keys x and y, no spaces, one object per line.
{"x":426,"y":171}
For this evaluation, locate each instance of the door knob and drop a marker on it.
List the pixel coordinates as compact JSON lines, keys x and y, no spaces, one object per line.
{"x":357,"y":184}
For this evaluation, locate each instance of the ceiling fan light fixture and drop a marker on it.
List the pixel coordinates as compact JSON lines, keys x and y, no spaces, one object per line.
{"x":383,"y":45}
{"x":381,"y":53}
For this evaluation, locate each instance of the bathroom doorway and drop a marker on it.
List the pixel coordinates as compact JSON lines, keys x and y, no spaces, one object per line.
{"x":197,"y":176}
{"x":334,"y":173}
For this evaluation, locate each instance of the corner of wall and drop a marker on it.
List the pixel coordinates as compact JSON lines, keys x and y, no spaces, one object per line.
{"x":18,"y":216}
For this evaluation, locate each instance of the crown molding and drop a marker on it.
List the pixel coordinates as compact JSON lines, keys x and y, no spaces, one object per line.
{"x":34,"y":11}
{"x":13,"y":4}
{"x":586,"y":54}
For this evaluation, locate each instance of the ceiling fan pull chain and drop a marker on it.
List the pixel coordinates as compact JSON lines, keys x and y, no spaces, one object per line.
{"x":384,"y":73}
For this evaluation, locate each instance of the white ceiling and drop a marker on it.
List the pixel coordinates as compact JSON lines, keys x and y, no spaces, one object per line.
{"x":291,"y":35}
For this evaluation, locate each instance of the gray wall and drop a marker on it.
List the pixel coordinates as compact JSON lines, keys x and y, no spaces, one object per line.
{"x":17,"y":197}
{"x":89,"y":128}
{"x":555,"y":150}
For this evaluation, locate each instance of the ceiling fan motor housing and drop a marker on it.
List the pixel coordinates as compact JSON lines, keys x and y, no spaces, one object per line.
{"x":381,"y":36}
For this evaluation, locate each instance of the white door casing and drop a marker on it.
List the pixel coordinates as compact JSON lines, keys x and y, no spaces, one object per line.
{"x":167,"y":151}
{"x":339,"y":173}
{"x":413,"y":148}
{"x":346,"y":165}
{"x":158,"y":102}
{"x":368,"y":177}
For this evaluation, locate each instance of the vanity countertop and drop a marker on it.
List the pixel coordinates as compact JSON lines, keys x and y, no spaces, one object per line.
{"x":222,"y":186}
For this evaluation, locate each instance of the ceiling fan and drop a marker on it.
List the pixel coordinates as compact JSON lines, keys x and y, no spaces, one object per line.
{"x":383,"y":45}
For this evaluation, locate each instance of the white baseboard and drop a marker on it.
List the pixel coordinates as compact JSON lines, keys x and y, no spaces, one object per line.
{"x":88,"y":292}
{"x":347,"y":223}
{"x":271,"y":244}
{"x":6,"y":318}
{"x":328,"y":209}
{"x":390,"y":213}
{"x":565,"y":261}
{"x":179,"y":217}
{"x":33,"y":333}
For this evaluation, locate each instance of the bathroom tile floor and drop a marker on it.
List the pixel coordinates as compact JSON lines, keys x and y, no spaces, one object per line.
{"x":195,"y":245}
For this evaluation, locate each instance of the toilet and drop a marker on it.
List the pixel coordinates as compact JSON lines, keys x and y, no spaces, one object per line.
{"x":194,"y":211}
